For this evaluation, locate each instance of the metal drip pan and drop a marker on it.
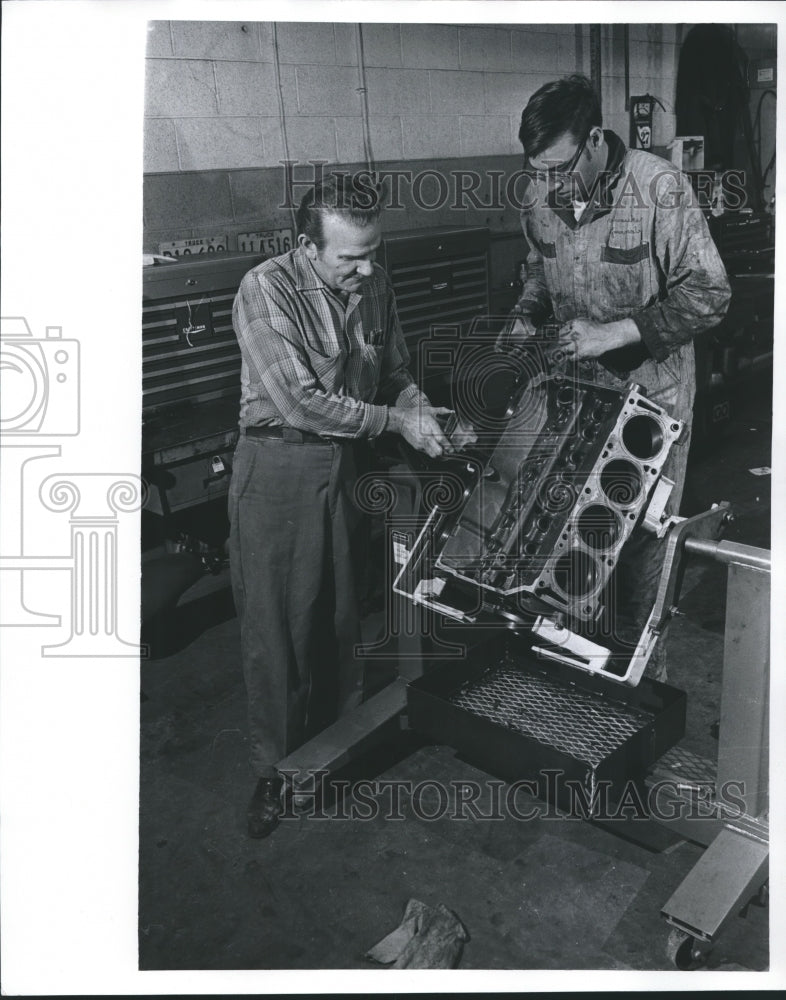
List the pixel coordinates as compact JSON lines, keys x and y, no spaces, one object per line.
{"x":579,"y":723}
{"x":518,"y":719}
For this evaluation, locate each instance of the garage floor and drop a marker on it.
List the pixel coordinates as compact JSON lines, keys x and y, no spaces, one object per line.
{"x":548,"y":893}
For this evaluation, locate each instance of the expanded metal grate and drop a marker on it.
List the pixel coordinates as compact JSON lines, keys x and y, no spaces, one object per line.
{"x":689,"y":767}
{"x":577,"y":722}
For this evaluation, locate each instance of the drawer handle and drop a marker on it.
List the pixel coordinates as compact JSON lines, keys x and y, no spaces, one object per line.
{"x":439,"y":287}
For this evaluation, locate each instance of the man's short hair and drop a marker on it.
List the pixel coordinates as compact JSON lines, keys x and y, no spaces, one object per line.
{"x":567,"y":105}
{"x":357,"y":198}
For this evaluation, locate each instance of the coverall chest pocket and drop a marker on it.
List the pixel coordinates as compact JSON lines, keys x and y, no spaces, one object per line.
{"x":621,"y":277}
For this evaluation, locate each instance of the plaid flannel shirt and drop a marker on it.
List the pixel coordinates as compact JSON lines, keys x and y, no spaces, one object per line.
{"x":314,"y":362}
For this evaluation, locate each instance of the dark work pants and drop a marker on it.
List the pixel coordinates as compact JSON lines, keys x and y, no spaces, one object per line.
{"x":294,"y":532}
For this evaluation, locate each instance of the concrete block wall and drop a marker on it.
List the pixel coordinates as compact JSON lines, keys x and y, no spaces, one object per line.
{"x":654,"y":57}
{"x":437,"y":94}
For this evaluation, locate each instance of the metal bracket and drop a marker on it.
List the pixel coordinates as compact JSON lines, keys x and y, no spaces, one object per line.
{"x":706,"y":525}
{"x":573,"y":649}
{"x":655,"y":519}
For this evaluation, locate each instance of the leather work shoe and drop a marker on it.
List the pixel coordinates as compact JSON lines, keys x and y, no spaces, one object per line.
{"x":265,"y":807}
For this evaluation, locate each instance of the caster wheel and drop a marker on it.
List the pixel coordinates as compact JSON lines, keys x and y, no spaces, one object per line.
{"x":685,"y":952}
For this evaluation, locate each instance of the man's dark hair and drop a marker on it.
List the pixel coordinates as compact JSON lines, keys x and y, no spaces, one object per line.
{"x":567,"y":105}
{"x":357,"y":198}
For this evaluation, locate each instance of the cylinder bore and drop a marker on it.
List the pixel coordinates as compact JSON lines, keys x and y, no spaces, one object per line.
{"x":576,"y":573}
{"x":643,"y":437}
{"x":598,"y":526}
{"x":621,"y":481}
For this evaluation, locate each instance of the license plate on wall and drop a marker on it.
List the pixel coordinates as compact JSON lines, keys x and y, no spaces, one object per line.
{"x":272,"y":242}
{"x":193,"y":247}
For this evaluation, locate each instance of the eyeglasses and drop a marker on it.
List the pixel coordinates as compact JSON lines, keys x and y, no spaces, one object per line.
{"x":561,"y":169}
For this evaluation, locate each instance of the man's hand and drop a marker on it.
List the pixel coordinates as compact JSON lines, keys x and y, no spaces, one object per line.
{"x":584,"y":338}
{"x":419,"y":426}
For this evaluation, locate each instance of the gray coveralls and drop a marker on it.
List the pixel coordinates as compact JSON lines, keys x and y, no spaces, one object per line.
{"x":640,"y":250}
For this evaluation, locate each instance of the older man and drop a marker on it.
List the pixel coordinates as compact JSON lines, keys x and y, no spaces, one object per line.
{"x":621,"y":255}
{"x":323,"y":364}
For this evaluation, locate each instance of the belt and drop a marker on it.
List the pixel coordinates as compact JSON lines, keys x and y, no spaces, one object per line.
{"x":287,"y":434}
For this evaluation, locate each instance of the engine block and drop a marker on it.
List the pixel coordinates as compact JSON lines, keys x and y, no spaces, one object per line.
{"x":527,"y":527}
{"x":560,"y":494}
